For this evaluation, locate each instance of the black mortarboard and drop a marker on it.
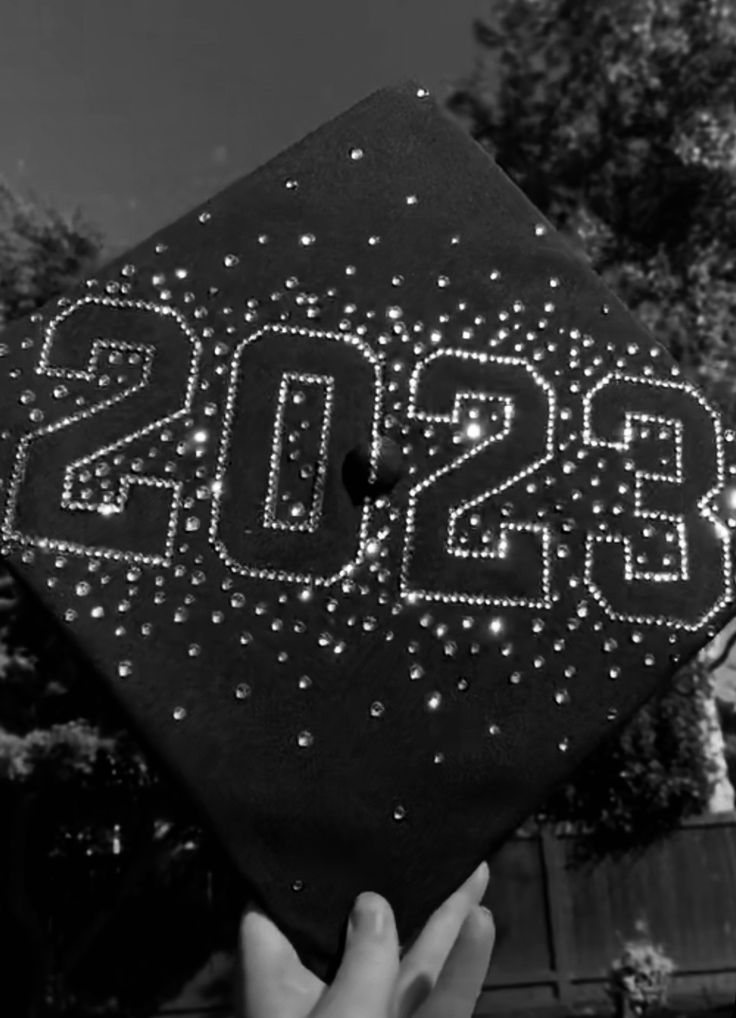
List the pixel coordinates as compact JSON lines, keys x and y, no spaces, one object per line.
{"x":376,"y":510}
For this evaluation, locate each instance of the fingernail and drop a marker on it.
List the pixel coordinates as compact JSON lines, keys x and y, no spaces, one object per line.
{"x":486,"y":911}
{"x":367,"y":915}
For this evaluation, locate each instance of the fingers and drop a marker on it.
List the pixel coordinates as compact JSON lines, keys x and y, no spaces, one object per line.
{"x":365,"y":982}
{"x":272,"y":982}
{"x":423,"y":962}
{"x":460,"y":983}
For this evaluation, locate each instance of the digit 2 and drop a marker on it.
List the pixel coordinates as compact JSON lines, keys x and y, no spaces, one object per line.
{"x":137,"y":521}
{"x":516,"y":568}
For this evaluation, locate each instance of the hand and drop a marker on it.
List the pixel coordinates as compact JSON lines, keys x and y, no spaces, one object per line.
{"x":439,"y":976}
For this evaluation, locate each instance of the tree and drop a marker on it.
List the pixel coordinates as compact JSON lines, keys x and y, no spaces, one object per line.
{"x":617,"y":119}
{"x":639,"y":786}
{"x":99,"y":858}
{"x":42,"y":253}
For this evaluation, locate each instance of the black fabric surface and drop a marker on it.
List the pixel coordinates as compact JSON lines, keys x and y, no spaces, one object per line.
{"x":370,"y":624}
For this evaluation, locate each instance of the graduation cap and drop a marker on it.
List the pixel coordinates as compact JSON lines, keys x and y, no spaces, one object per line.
{"x":370,"y":503}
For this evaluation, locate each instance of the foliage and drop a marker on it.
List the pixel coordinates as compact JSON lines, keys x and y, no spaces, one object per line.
{"x":727,"y":712}
{"x":640,"y":976}
{"x":42,"y":253}
{"x":617,"y":119}
{"x":100,"y":861}
{"x":643,"y":781}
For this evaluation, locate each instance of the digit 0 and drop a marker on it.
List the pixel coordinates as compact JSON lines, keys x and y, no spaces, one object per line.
{"x":281,"y":514}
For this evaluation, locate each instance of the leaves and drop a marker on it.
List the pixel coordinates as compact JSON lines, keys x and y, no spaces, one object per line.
{"x":618,"y":120}
{"x":641,"y":974}
{"x":42,"y":253}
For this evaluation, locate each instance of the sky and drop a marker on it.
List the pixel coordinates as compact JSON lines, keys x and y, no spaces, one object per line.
{"x":136,"y":111}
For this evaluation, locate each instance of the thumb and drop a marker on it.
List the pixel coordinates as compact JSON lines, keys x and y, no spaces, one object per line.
{"x":271,"y":979}
{"x":366,"y":980}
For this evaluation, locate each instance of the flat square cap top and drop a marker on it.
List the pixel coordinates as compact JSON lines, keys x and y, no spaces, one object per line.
{"x":370,"y":503}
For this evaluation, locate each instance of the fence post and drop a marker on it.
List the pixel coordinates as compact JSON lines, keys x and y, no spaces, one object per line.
{"x":558,"y":910}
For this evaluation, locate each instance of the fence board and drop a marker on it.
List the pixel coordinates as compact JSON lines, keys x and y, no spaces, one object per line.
{"x":559,"y":927}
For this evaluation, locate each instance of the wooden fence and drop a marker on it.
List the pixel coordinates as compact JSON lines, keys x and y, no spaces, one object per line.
{"x":559,"y":925}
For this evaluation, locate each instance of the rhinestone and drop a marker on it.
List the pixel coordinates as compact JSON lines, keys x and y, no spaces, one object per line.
{"x":377,"y":709}
{"x":230,"y":260}
{"x":125,"y":668}
{"x":356,"y":153}
{"x":242,"y":691}
{"x":307,"y":239}
{"x":305,"y":739}
{"x":399,"y":813}
{"x":194,"y":650}
{"x":304,"y":682}
{"x":563,"y":745}
{"x":614,"y":672}
{"x":416,"y":671}
{"x":433,"y":701}
{"x":493,"y":729}
{"x":439,"y":758}
{"x":562,"y":696}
